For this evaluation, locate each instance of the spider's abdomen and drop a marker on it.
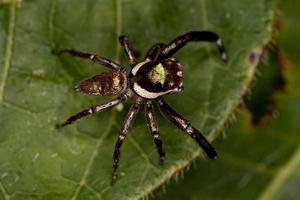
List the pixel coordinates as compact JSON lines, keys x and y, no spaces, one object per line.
{"x":104,"y":84}
{"x":152,"y":79}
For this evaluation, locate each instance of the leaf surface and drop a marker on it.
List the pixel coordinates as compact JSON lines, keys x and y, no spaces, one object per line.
{"x":36,"y":91}
{"x":288,"y":34}
{"x":255,"y":162}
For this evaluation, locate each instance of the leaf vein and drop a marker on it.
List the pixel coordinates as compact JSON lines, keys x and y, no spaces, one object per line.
{"x":142,"y":152}
{"x":51,"y":25}
{"x":118,"y":27}
{"x":282,"y":177}
{"x":212,"y":74}
{"x":139,"y":188}
{"x":4,"y":192}
{"x":9,"y":47}
{"x":19,"y":108}
{"x":93,"y":156}
{"x":94,"y":191}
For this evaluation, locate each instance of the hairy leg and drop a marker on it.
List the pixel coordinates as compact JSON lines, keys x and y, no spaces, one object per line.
{"x":134,"y":109}
{"x":93,"y":57}
{"x":152,"y":124}
{"x":193,"y":36}
{"x":185,"y":126}
{"x":128,"y":50}
{"x":93,"y":109}
{"x":154,"y":50}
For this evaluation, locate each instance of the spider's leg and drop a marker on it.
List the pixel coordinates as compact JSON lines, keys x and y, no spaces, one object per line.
{"x":152,"y":124}
{"x":93,"y":109}
{"x":93,"y":57}
{"x":154,"y":50}
{"x":184,"y":125}
{"x":123,"y":133}
{"x":182,"y":40}
{"x":128,"y":50}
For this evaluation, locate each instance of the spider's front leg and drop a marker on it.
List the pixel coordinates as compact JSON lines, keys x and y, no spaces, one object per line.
{"x":154,"y":50}
{"x":193,"y":36}
{"x":93,"y":57}
{"x":134,"y":109}
{"x":128,"y":50}
{"x":152,"y":124}
{"x":185,"y":126}
{"x":93,"y":109}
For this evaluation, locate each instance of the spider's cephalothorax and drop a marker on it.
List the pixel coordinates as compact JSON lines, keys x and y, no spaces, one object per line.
{"x":151,"y":79}
{"x":146,"y":83}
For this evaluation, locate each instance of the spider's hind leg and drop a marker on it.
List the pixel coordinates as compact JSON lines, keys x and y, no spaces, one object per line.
{"x":134,"y":109}
{"x":193,"y":36}
{"x":185,"y":126}
{"x":152,"y":124}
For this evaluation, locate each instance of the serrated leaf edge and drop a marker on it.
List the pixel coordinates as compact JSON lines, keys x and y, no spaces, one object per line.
{"x":228,"y":116}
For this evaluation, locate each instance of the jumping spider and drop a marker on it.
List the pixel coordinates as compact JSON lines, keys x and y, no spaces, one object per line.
{"x":146,"y":82}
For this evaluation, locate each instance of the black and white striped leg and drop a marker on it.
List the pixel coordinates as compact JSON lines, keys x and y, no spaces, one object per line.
{"x":128,"y":50}
{"x":134,"y":109}
{"x":93,"y":57}
{"x":184,"y":125}
{"x":93,"y":109}
{"x":193,"y":36}
{"x":154,"y":50}
{"x":153,"y":126}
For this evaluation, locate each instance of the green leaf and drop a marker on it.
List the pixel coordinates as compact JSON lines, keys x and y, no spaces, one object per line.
{"x":254,"y":163}
{"x":288,"y":36}
{"x":36,"y":91}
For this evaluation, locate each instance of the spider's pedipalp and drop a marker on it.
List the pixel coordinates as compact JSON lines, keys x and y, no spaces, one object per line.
{"x":93,"y":109}
{"x":193,"y":36}
{"x":185,"y":126}
{"x":134,"y":109}
{"x":153,"y":126}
